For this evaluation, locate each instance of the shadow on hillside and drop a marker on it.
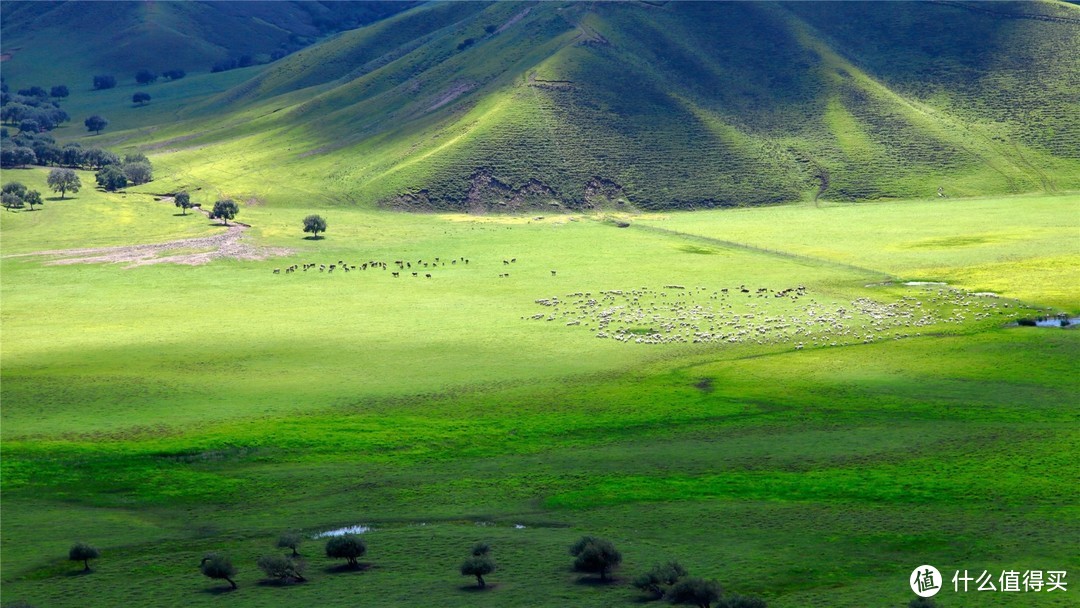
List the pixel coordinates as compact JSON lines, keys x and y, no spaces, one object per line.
{"x":473,"y":588}
{"x":218,"y":590}
{"x":595,"y":581}
{"x":341,"y":568}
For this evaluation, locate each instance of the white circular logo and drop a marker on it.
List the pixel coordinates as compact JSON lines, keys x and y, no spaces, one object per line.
{"x":925,"y":581}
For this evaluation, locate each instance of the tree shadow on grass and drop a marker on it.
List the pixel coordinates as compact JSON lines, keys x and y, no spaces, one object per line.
{"x":218,"y":590}
{"x":78,"y":573}
{"x":57,"y":198}
{"x":474,"y":588}
{"x":279,"y":583}
{"x":342,"y":568}
{"x":314,"y":238}
{"x":596,"y":581}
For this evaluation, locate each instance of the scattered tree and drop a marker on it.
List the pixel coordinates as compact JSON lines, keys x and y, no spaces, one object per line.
{"x":481,"y":549}
{"x":140,"y":98}
{"x":288,"y":540}
{"x":95,"y":123}
{"x":282,"y":567}
{"x":60,"y":91}
{"x":174,"y":74}
{"x":695,"y":591}
{"x":595,"y":555}
{"x":347,"y":546}
{"x":16,"y":188}
{"x":314,"y":224}
{"x":744,"y":601}
{"x":478,"y":566}
{"x":29,"y":125}
{"x":82,"y":552}
{"x":64,"y":180}
{"x":104,"y":81}
{"x":32,"y":198}
{"x":17,"y":156}
{"x":226,"y":210}
{"x":145,"y":76}
{"x":11,"y":201}
{"x":183,"y":201}
{"x":217,"y":566}
{"x":662,"y":576}
{"x":138,"y":172}
{"x":490,"y":28}
{"x":111,"y":178}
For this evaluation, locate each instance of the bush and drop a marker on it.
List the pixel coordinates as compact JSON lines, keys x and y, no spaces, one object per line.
{"x":347,"y":546}
{"x":288,"y":540}
{"x":217,"y":566}
{"x":104,"y":81}
{"x":595,"y":555}
{"x":478,"y":566}
{"x":140,"y":98}
{"x":82,"y":552}
{"x":662,"y":576}
{"x":695,"y":591}
{"x":282,"y":568}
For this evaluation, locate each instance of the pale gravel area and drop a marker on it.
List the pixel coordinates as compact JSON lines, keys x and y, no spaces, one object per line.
{"x":228,"y":244}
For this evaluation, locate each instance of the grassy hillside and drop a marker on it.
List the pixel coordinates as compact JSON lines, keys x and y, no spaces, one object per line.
{"x":545,"y":106}
{"x":69,"y":42}
{"x":164,"y":410}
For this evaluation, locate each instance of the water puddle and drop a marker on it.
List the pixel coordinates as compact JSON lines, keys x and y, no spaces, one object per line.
{"x":357,"y":529}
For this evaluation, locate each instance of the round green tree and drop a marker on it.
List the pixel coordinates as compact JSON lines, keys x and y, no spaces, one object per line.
{"x":225,"y":210}
{"x":82,"y":552}
{"x":478,"y":566}
{"x":696,"y":592}
{"x":291,"y":540}
{"x":595,"y":555}
{"x":218,"y":567}
{"x":64,"y":181}
{"x":314,"y":224}
{"x":349,"y":547}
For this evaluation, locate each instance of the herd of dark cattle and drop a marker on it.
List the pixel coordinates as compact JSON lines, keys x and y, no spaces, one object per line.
{"x":401,"y":267}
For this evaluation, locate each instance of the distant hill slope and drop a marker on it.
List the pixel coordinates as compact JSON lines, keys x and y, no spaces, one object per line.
{"x":505,"y":106}
{"x":72,"y":40}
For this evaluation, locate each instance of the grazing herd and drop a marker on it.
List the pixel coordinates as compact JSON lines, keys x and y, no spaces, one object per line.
{"x":762,"y":315}
{"x":404,"y":267}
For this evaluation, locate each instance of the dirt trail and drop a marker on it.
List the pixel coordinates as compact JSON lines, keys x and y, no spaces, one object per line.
{"x":193,"y":251}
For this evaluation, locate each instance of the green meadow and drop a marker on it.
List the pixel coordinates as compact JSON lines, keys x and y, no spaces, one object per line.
{"x":161,"y":411}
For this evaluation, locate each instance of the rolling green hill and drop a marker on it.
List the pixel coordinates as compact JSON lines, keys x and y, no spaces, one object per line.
{"x":70,"y":40}
{"x":512,"y":106}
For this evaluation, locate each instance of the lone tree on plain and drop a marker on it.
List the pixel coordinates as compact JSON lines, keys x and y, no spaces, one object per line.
{"x":95,"y":123}
{"x":183,"y":201}
{"x":63,"y":181}
{"x":595,"y":555}
{"x":283,"y":568}
{"x":82,"y":552}
{"x":140,"y":98}
{"x":104,"y":81}
{"x":314,"y":224}
{"x":479,"y":565}
{"x":348,"y":547}
{"x":225,"y":210}
{"x":695,"y":591}
{"x":662,"y":576}
{"x":217,"y":566}
{"x":145,"y":76}
{"x":288,"y":540}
